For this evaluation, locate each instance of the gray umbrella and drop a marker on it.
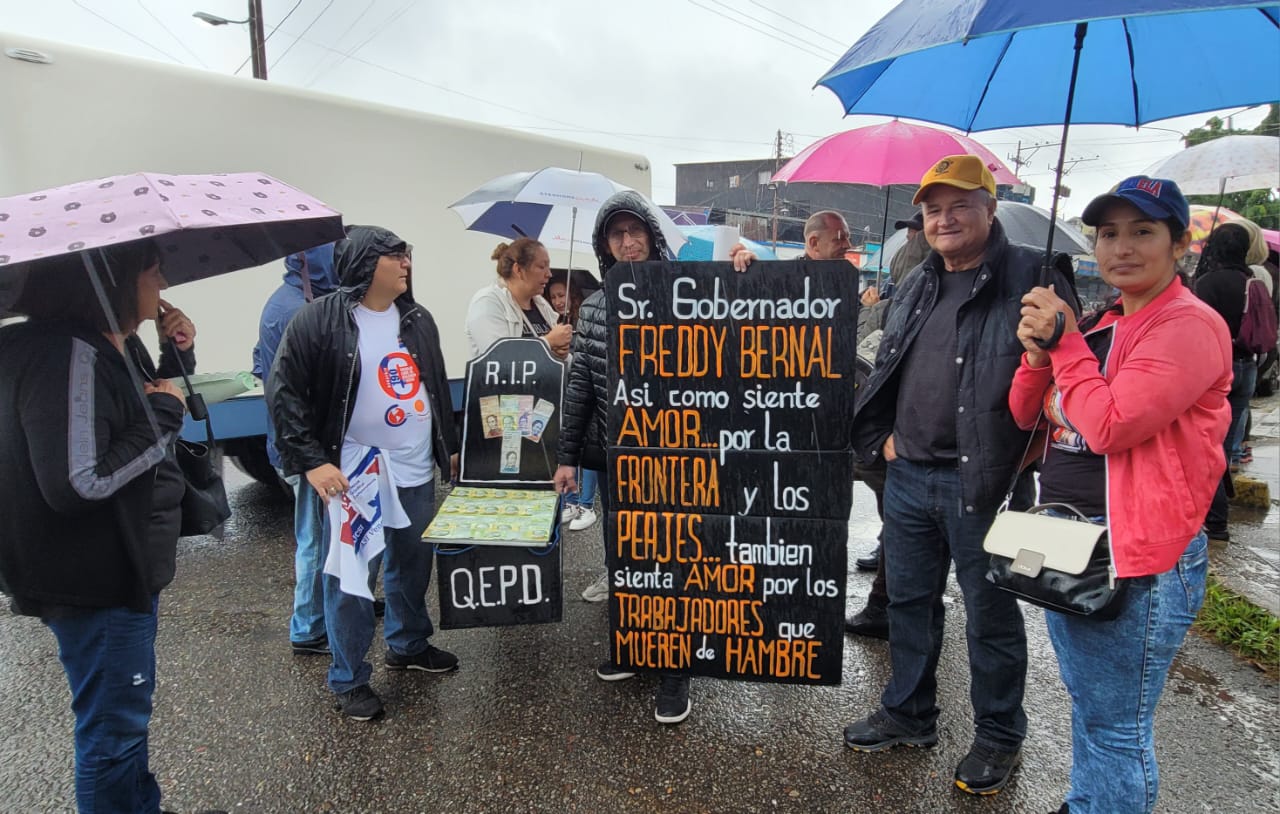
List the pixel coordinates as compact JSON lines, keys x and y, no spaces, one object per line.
{"x":1023,"y":223}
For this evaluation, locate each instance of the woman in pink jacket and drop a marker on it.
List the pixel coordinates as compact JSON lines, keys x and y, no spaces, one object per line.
{"x":1135,"y":403}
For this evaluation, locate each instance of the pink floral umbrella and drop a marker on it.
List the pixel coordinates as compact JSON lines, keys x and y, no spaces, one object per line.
{"x":884,"y":154}
{"x":204,"y":225}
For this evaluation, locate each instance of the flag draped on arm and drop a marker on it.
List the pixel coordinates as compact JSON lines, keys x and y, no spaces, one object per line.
{"x":357,"y":519}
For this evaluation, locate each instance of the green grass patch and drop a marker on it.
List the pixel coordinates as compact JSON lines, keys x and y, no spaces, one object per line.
{"x":1250,"y":631}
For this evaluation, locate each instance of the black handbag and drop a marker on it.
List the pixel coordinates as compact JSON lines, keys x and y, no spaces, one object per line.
{"x":1057,"y":563}
{"x":204,"y":503}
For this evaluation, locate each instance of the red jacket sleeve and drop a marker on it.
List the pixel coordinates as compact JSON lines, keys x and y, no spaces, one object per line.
{"x":1026,"y":395}
{"x":1177,"y":357}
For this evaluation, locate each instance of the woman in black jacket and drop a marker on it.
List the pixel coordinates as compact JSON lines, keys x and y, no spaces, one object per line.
{"x":89,"y":526}
{"x":1221,"y":277}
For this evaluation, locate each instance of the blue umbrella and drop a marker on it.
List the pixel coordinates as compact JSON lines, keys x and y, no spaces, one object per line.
{"x":985,"y":64}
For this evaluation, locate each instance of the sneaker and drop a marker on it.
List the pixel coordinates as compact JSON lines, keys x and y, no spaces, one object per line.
{"x":877,"y":732}
{"x":586,"y":519}
{"x":870,"y":622}
{"x":871,"y":562}
{"x":379,"y":608}
{"x":673,"y":704}
{"x":313,"y":647}
{"x":360,"y":704}
{"x":985,"y":770}
{"x":597,"y":591}
{"x":608,"y":671}
{"x":570,"y":513}
{"x":431,"y":660}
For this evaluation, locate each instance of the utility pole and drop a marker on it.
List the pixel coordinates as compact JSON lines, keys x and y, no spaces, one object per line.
{"x":257,"y":42}
{"x":1019,"y":162}
{"x":777,"y":164}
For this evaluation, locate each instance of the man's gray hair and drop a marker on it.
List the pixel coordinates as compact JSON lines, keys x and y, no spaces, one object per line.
{"x":817,"y":222}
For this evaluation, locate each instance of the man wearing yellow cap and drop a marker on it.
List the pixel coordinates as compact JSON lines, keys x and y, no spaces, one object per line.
{"x":935,"y":408}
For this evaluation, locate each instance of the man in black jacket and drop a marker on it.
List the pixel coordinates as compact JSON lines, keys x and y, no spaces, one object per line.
{"x":626,"y":230}
{"x":935,"y":408}
{"x":361,"y":370}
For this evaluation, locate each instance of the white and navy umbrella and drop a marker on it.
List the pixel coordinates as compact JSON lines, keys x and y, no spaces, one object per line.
{"x":552,"y":205}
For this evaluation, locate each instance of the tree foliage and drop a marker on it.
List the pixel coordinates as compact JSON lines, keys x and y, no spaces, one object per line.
{"x":1259,"y":205}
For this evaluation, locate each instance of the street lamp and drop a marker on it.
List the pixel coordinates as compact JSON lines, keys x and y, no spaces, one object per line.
{"x":257,"y":43}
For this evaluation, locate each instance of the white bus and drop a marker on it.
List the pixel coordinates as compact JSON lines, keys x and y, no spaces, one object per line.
{"x":74,"y":114}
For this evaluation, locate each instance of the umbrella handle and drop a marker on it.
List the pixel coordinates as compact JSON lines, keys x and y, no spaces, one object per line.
{"x":1059,"y":326}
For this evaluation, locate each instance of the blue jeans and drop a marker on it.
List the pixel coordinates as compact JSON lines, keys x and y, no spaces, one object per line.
{"x":307,"y":622}
{"x":925,"y":529}
{"x":1244,"y":379}
{"x":109,"y":656}
{"x":1115,"y":672}
{"x":407,"y":627}
{"x":586,"y":495}
{"x":1243,"y":383}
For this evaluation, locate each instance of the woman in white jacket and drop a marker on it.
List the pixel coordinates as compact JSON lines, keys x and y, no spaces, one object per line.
{"x":514,"y":305}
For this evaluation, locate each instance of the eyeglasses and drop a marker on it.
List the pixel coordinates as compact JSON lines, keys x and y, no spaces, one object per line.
{"x":401,"y":256}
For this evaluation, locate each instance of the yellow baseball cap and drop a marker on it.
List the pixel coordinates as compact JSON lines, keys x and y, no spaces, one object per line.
{"x":962,"y":171}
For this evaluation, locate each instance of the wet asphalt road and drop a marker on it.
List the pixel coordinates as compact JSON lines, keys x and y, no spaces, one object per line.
{"x":524,"y":726}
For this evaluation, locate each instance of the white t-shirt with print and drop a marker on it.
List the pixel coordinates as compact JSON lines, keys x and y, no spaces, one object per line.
{"x":392,"y":411}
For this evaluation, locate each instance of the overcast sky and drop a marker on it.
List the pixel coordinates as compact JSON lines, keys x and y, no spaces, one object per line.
{"x":675,"y":80}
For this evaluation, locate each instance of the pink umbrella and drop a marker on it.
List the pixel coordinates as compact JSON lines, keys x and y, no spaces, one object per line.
{"x":203,"y":224}
{"x":884,"y":154}
{"x":1272,"y":237}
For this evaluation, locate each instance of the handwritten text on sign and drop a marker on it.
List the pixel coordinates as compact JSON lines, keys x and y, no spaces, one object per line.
{"x":731,"y":400}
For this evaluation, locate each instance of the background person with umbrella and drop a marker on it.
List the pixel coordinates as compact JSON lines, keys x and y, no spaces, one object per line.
{"x":89,"y":528}
{"x":579,"y":507}
{"x":85,"y":459}
{"x":1220,"y":281}
{"x":514,"y":305}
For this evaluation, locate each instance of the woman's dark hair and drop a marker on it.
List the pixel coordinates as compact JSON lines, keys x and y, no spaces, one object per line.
{"x":523,"y":251}
{"x":1225,"y":247}
{"x":59,"y":288}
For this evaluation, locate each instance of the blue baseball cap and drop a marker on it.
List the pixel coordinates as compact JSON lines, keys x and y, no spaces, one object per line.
{"x":1157,"y":198}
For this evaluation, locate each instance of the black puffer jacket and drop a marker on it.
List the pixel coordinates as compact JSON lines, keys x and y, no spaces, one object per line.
{"x":313,"y":380}
{"x":988,"y":351}
{"x":586,"y":398}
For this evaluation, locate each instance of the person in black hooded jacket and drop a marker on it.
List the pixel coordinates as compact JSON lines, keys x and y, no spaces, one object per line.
{"x":89,"y":524}
{"x":626,"y":230}
{"x":1222,"y":276}
{"x":361,"y":369}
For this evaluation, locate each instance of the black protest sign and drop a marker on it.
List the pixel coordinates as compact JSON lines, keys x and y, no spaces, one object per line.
{"x":811,"y":485}
{"x":730,"y":471}
{"x":766,"y":352}
{"x":754,"y":598}
{"x":495,"y":586}
{"x":511,"y":420}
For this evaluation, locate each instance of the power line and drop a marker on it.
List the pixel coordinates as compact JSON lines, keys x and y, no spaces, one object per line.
{"x":712,"y":140}
{"x":475,"y":98}
{"x":303,"y":34}
{"x":272,"y":33}
{"x":316,"y":70}
{"x":283,"y":20}
{"x":179,"y":40}
{"x":770,"y":25}
{"x":823,"y":57}
{"x":793,"y":21}
{"x":150,"y":45}
{"x":396,"y":15}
